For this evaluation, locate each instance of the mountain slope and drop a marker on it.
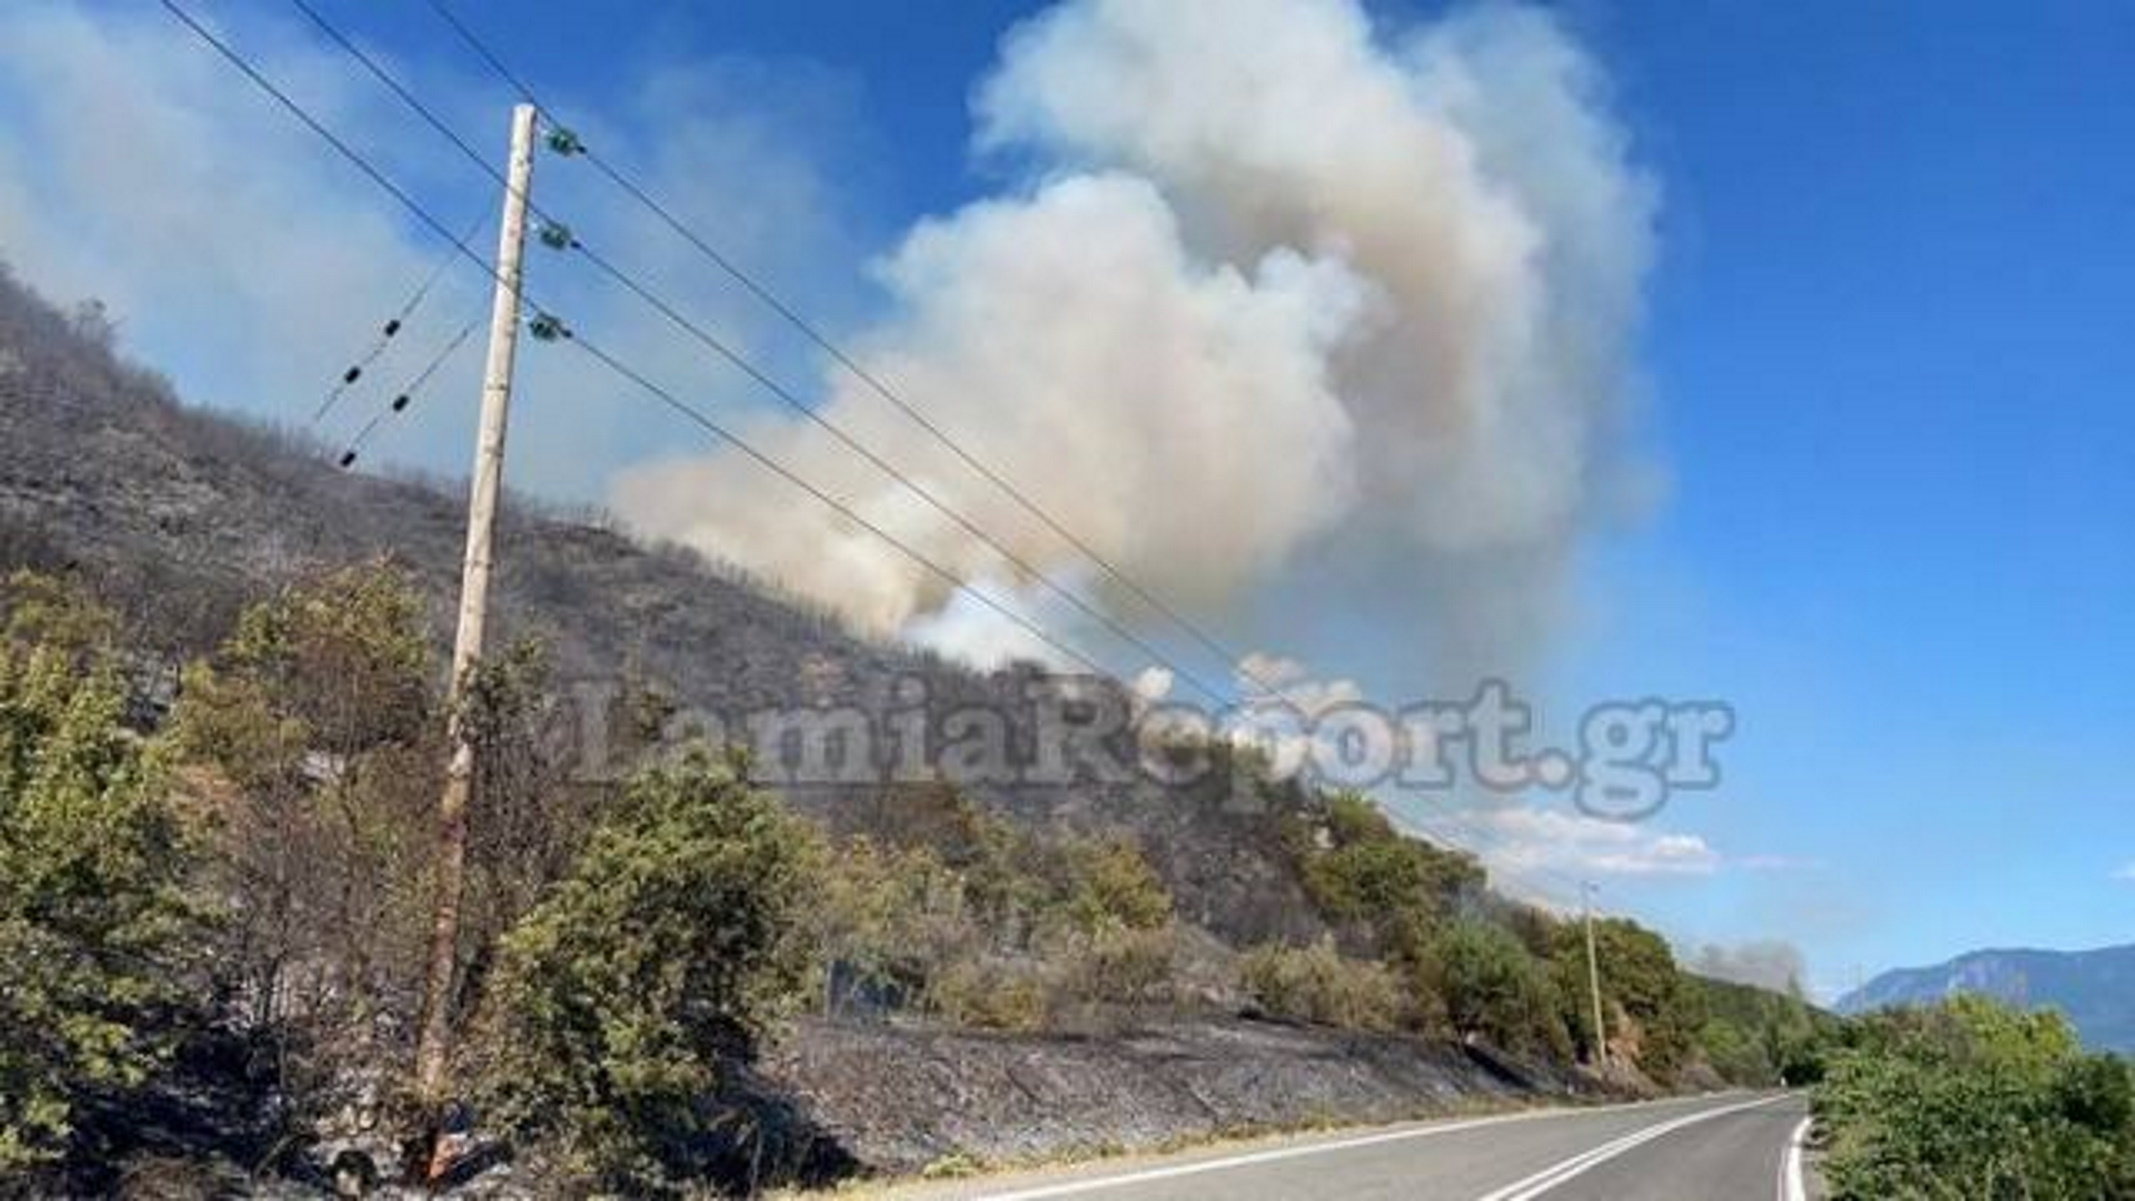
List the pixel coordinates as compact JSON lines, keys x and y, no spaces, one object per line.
{"x":2096,"y":989}
{"x":178,"y":517}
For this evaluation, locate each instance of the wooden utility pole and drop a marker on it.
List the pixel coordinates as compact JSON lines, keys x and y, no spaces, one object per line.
{"x":433,"y":1048}
{"x":1593,"y":977}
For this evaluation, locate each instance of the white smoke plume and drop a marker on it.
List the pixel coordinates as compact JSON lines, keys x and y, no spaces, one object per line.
{"x":1768,"y":963}
{"x":1275,"y":282}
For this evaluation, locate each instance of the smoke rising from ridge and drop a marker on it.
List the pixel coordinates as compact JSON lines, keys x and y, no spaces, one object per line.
{"x":1765,"y":963}
{"x":1275,"y":282}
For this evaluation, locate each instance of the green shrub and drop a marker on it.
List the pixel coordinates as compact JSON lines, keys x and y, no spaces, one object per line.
{"x":1756,"y":1037}
{"x":1105,"y":924}
{"x":660,"y":961}
{"x":313,"y":734}
{"x":1971,"y":1099}
{"x":347,"y":654}
{"x":1108,"y":885}
{"x":1492,"y":988}
{"x":1122,"y":966}
{"x":983,"y":926}
{"x":888,"y":919}
{"x":1319,"y":984}
{"x":1655,"y":1012}
{"x":92,"y":863}
{"x":1736,"y":1054}
{"x":991,"y":994}
{"x":1370,"y":875}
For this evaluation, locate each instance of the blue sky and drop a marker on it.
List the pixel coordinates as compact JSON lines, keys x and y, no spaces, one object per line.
{"x":1884,"y":370}
{"x":1891,"y":360}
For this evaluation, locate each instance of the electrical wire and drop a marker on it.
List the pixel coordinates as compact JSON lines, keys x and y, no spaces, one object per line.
{"x":703,"y":336}
{"x":459,"y":243}
{"x":1230,"y":657}
{"x":422,"y":214}
{"x":1208,"y":642}
{"x":698,"y":418}
{"x":408,"y":392}
{"x":386,"y":333}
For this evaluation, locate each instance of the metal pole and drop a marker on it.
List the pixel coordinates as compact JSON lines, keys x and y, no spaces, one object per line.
{"x":1593,"y":977}
{"x":433,"y":1053}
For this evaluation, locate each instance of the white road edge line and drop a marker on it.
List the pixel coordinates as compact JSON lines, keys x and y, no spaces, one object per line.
{"x":1530,"y":1187}
{"x":1793,"y":1174}
{"x":1070,"y":1187}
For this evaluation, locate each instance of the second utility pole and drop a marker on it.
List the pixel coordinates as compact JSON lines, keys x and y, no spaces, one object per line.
{"x":433,"y":1048}
{"x":1593,"y":978}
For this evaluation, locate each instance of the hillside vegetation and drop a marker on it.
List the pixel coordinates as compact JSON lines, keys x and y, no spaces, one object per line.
{"x":1970,"y":1099}
{"x":221,"y":727}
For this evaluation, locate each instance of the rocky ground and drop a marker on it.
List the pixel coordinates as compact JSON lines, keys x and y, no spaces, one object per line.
{"x":839,"y":1100}
{"x":901,"y":1099}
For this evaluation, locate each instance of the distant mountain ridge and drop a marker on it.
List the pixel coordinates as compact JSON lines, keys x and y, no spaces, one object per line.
{"x":2096,"y":989}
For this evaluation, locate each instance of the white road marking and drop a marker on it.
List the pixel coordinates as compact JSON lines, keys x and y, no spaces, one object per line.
{"x":1276,"y":1154}
{"x":1793,"y":1178}
{"x":1528,"y":1188}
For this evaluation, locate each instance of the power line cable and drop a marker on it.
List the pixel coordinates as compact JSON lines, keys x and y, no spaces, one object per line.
{"x":495,"y":64}
{"x":408,"y":392}
{"x":1208,"y":642}
{"x":545,"y":320}
{"x":698,"y":418}
{"x":1233,"y":659}
{"x":422,"y":214}
{"x":558,"y":234}
{"x":386,"y":333}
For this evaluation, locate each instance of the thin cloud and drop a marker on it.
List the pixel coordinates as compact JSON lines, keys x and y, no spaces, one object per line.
{"x":1778,"y":863}
{"x":1530,"y":839}
{"x":1293,"y":684}
{"x":1526,"y":839}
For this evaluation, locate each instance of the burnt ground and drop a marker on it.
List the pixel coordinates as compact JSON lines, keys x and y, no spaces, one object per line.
{"x":900,"y":1098}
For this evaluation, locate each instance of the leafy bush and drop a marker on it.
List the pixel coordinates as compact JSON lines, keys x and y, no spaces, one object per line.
{"x":982,"y":926}
{"x":887,"y":920}
{"x":1493,"y":989}
{"x":1370,"y":875}
{"x":990,"y":993}
{"x":1320,"y":984}
{"x":1736,"y":1054}
{"x":1972,"y":1099}
{"x":623,"y":997}
{"x":1108,"y":885}
{"x":312,"y":734}
{"x":92,"y":863}
{"x":1106,"y":924}
{"x":1653,"y":1010}
{"x":347,"y":654}
{"x":1759,"y":1038}
{"x":1122,"y":966}
{"x":317,"y":734}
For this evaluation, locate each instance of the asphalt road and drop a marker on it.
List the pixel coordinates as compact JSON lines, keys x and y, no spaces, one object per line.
{"x":1698,"y":1149}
